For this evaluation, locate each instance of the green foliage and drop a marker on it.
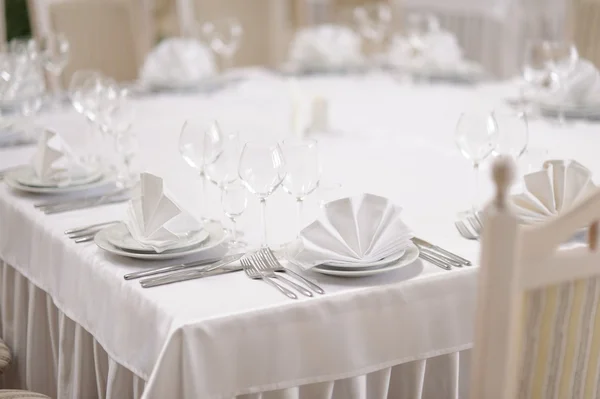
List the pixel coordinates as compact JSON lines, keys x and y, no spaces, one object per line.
{"x":17,"y":19}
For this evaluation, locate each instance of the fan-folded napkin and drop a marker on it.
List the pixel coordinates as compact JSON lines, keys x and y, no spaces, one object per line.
{"x":556,"y":188}
{"x":326,"y":47}
{"x":438,"y":49}
{"x":357,"y":230}
{"x":580,"y":87}
{"x":155,"y":220}
{"x":178,"y":62}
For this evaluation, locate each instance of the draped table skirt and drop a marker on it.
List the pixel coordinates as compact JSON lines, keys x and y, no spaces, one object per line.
{"x":55,"y":356}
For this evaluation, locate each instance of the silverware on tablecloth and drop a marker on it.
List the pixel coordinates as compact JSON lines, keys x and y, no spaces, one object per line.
{"x":192,"y":275}
{"x":254,"y":274}
{"x":84,"y":205}
{"x":465,"y":231}
{"x":83,"y":229}
{"x":274,"y":263}
{"x":435,"y":261}
{"x":74,"y":201}
{"x":447,"y":254}
{"x":214,"y":264}
{"x":261,"y":264}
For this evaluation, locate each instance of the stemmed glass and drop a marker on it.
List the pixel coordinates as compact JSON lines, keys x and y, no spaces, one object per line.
{"x":562,"y":57}
{"x":476,"y":136}
{"x":374,"y":22}
{"x":513,"y":134}
{"x":200,"y":145}
{"x":303,"y":171}
{"x":234,"y":200}
{"x":535,"y":69}
{"x":224,"y":37}
{"x":262,"y":170}
{"x":55,"y":48}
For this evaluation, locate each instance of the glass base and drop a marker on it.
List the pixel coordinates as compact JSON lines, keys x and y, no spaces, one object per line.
{"x":237,"y":244}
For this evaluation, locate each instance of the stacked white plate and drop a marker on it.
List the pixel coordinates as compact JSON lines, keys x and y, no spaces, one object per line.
{"x":117,"y":240}
{"x":355,"y":237}
{"x":25,"y":179}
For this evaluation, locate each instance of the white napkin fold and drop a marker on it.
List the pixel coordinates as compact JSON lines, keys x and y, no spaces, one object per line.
{"x":581,"y":87}
{"x":438,"y":49}
{"x":326,"y":47}
{"x":357,"y":230}
{"x":154,"y":220}
{"x":53,"y":160}
{"x":178,"y":62}
{"x":556,"y":188}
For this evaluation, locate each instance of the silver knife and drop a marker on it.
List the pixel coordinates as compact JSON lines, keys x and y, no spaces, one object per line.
{"x":85,"y":205}
{"x":435,"y":261}
{"x":172,"y":268}
{"x":73,"y":201}
{"x":442,"y":251}
{"x":185,"y":275}
{"x":440,"y":257}
{"x":89,"y":227}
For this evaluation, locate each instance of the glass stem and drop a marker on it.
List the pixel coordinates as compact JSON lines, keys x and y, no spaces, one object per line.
{"x":233,"y":231}
{"x":263,"y":212}
{"x":203,"y":193}
{"x":476,"y":188}
{"x":300,"y":206}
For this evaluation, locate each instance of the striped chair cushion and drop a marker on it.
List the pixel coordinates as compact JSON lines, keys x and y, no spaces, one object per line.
{"x":4,"y":356}
{"x":17,"y":394}
{"x":561,"y":342}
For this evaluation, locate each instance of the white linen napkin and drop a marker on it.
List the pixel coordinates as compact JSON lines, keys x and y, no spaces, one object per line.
{"x":153,"y":219}
{"x":326,"y":47}
{"x":581,"y":87}
{"x":178,"y":62}
{"x":556,"y":188}
{"x":357,"y":230}
{"x":438,"y":49}
{"x":53,"y":161}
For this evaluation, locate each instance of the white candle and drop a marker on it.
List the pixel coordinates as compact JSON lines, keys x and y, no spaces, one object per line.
{"x":320,"y":114}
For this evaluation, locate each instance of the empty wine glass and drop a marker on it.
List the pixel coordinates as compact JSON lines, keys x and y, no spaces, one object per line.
{"x":54,"y":49}
{"x":513,"y":134}
{"x":224,"y":37}
{"x":535,"y":69}
{"x":303,"y":171}
{"x":200,"y":145}
{"x":562,"y":57}
{"x":234,"y":200}
{"x":374,"y":21}
{"x":127,"y":146}
{"x":476,"y":136}
{"x":262,"y":170}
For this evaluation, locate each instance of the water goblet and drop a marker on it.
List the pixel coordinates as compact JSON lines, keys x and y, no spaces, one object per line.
{"x":535,"y":70}
{"x":513,"y":134}
{"x":234,"y":200}
{"x":476,"y":136}
{"x":262,"y":170}
{"x":561,"y":59}
{"x":55,"y":49}
{"x":303,"y":171}
{"x":224,"y":37}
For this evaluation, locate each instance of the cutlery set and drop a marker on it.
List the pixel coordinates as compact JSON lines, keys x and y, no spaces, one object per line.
{"x":68,"y":205}
{"x":439,"y":256}
{"x":470,"y":226}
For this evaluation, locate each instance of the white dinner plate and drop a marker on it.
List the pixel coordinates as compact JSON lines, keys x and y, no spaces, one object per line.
{"x":352,"y":265}
{"x":216,"y":236}
{"x":27,"y":177}
{"x":411,"y":254}
{"x":10,"y":181}
{"x":572,"y":111}
{"x":119,"y":236}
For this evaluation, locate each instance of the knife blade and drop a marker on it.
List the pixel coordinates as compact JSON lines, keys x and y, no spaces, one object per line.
{"x":441,"y":251}
{"x":185,"y":275}
{"x":171,"y":268}
{"x":85,"y":205}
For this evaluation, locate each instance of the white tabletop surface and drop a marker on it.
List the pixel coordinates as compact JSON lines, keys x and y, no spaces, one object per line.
{"x":212,"y":335}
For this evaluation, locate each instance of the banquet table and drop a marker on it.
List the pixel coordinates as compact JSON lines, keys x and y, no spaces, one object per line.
{"x":79,"y":330}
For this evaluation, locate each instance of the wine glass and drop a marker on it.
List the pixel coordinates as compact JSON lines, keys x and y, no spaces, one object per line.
{"x":562,"y":57}
{"x":374,"y":22}
{"x":535,"y":68}
{"x":513,"y":134}
{"x":55,"y":48}
{"x":262,"y":170}
{"x":234,"y":200}
{"x":476,"y":136}
{"x":224,"y":37}
{"x":200,"y":145}
{"x":303,"y":171}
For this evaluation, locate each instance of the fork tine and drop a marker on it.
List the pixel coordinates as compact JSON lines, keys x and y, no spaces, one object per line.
{"x":473,"y":223}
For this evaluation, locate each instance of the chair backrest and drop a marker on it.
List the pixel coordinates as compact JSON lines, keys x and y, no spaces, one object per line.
{"x":585,"y":28}
{"x":111,"y":36}
{"x":537,"y":333}
{"x":265,"y":23}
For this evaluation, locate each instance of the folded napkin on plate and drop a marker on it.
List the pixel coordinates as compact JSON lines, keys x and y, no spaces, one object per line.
{"x":552,"y":190}
{"x":326,"y":47}
{"x":53,"y":161}
{"x":178,"y":62}
{"x":581,"y":87}
{"x":155,"y":220}
{"x":358,"y":230}
{"x":438,"y":49}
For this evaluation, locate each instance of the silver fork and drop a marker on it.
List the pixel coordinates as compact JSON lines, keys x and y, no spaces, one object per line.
{"x":274,"y":263}
{"x":267,"y":271}
{"x":251,"y":272}
{"x":465,"y":231}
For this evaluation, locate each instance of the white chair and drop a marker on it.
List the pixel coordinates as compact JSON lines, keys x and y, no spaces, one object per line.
{"x":537,"y":332}
{"x":111,"y":36}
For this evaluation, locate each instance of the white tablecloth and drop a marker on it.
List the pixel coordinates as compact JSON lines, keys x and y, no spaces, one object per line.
{"x":228,"y":336}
